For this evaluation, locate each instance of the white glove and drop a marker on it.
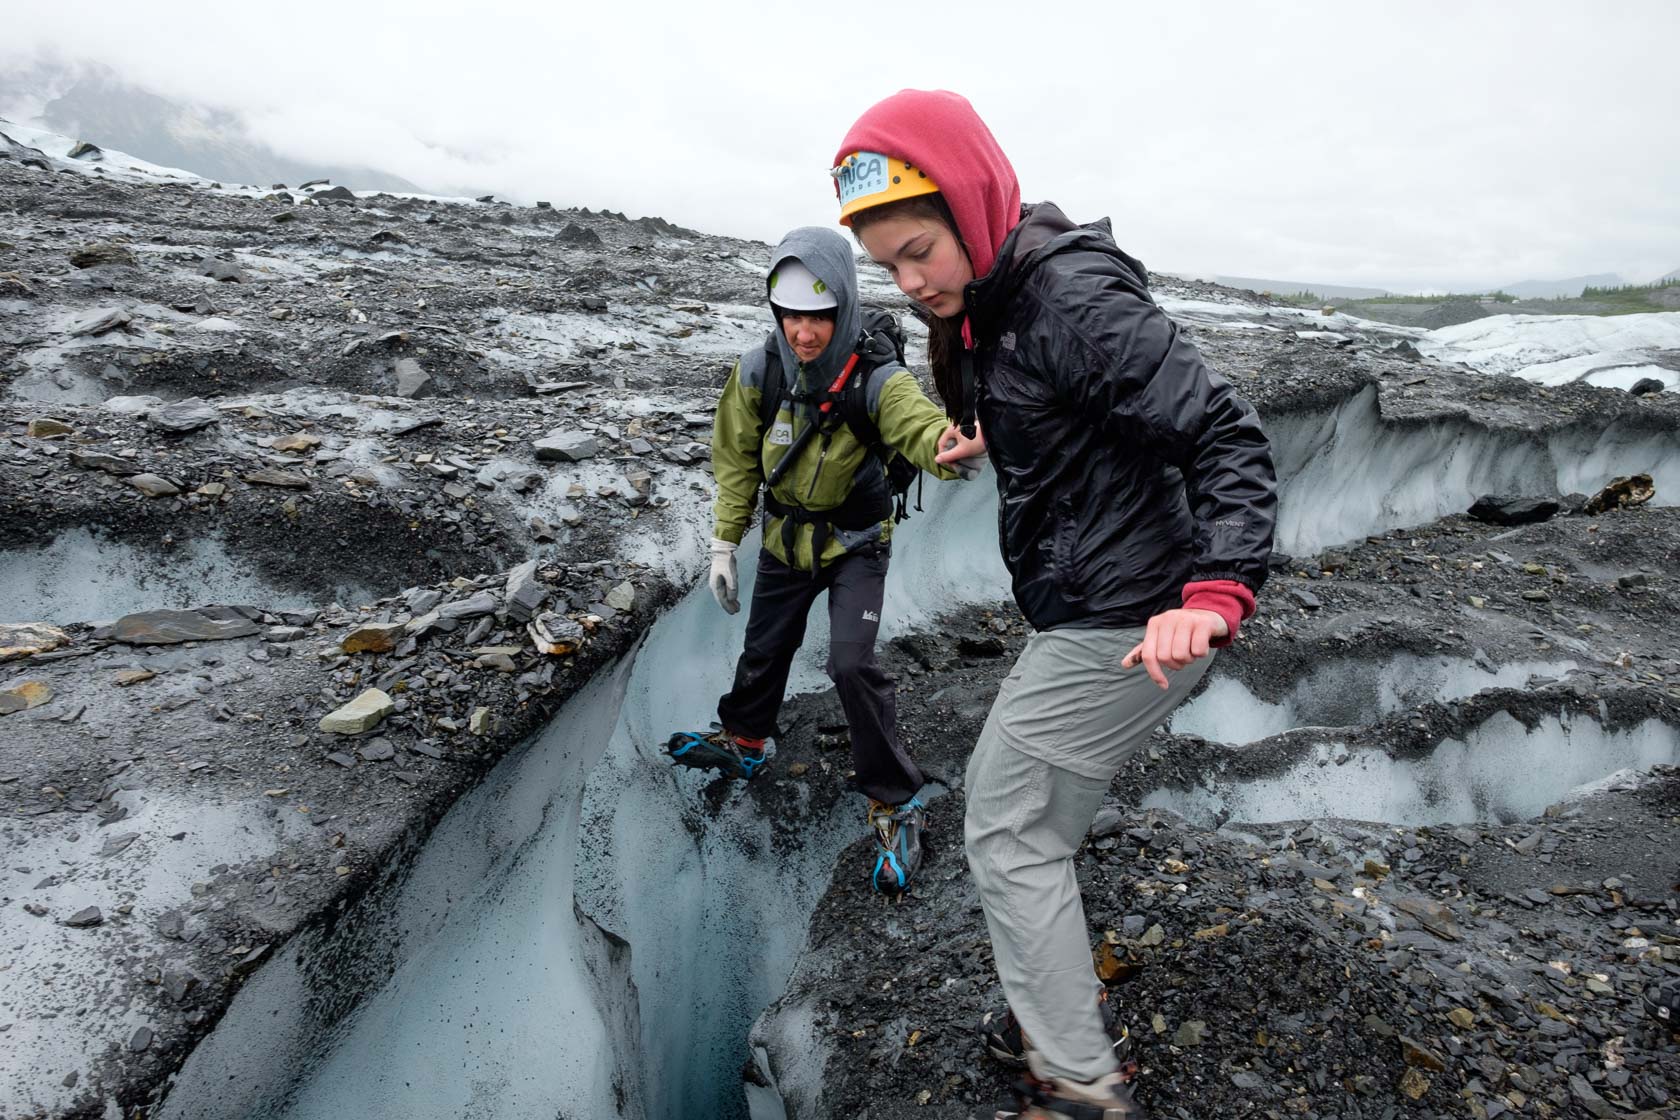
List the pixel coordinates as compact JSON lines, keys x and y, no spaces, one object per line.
{"x":723,"y":580}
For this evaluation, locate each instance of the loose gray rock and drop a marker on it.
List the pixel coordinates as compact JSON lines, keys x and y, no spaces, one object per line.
{"x":566,"y":447}
{"x":270,"y":476}
{"x":101,"y":323}
{"x":525,"y":593}
{"x":412,"y":380}
{"x":364,"y":713}
{"x":110,"y":464}
{"x":480,"y":604}
{"x":167,"y":627}
{"x":102,"y":253}
{"x":154,"y":486}
{"x":220,"y":270}
{"x":187,"y":415}
{"x":379,"y":750}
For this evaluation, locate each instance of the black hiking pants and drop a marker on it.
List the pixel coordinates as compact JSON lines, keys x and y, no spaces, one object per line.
{"x":782,"y":598}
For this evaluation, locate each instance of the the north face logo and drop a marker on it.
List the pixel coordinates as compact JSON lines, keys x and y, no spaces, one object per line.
{"x":871,"y":616}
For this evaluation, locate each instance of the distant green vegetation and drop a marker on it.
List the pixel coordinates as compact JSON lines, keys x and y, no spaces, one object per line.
{"x":1301,"y":298}
{"x":1618,"y":291}
{"x":1631,"y":299}
{"x":1313,"y":299}
{"x":1619,"y":299}
{"x":1497,"y":297}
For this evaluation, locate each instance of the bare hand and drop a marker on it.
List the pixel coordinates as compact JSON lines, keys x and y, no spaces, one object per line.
{"x":1175,"y":639}
{"x":953,"y":445}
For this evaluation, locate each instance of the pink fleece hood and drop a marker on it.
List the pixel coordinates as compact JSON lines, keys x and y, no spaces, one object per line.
{"x":941,"y":134}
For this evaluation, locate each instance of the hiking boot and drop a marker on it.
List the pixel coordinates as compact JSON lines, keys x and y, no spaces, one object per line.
{"x":898,"y":840}
{"x":734,"y":756}
{"x":1003,"y":1039}
{"x":1107,"y":1098}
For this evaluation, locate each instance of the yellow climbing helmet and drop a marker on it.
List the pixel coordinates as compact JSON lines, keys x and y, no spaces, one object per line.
{"x":868,"y":179}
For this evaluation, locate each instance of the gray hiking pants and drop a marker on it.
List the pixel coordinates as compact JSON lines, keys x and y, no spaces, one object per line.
{"x":1064,"y":722}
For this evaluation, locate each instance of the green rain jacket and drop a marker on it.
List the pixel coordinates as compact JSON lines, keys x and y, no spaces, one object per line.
{"x":744,"y":454}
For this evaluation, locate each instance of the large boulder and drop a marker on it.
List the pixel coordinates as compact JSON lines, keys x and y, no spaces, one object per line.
{"x":1505,"y":509}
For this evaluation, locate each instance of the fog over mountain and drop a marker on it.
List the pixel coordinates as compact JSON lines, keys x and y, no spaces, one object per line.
{"x":1560,"y":289}
{"x":93,"y":102}
{"x":1425,"y":147}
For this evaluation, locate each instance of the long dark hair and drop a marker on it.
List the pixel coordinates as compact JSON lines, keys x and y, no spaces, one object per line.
{"x":944,"y":335}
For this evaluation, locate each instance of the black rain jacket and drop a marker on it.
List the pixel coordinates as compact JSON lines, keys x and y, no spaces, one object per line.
{"x":1126,"y":467}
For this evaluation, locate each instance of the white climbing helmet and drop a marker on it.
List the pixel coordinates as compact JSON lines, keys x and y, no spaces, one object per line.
{"x":793,"y":287}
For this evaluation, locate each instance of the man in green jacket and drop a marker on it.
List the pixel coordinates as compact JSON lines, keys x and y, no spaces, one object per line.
{"x":828,"y":527}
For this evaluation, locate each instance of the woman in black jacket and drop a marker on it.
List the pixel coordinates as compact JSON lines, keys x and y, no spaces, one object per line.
{"x":1136,"y":510}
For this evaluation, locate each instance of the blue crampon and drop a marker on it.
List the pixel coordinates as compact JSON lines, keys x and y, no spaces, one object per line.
{"x":898,"y":839}
{"x":715,"y":750}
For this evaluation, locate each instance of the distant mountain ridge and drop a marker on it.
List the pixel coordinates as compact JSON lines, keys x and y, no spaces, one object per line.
{"x":1290,"y":287}
{"x":92,"y":103}
{"x":1568,"y":288}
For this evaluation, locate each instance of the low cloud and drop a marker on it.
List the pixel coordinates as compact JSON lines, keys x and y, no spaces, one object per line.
{"x":1422,"y":145}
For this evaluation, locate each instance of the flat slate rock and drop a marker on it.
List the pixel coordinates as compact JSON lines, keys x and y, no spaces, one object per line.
{"x":22,"y":639}
{"x":110,"y":464}
{"x":270,"y":476}
{"x":566,"y":447}
{"x":361,"y":714}
{"x":183,"y":416}
{"x":167,"y":627}
{"x":412,"y":380}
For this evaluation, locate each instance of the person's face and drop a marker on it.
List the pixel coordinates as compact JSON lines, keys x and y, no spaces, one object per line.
{"x":924,"y":258}
{"x":808,"y":334}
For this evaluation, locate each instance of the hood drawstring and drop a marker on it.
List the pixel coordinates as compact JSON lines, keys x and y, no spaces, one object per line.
{"x":970,"y":397}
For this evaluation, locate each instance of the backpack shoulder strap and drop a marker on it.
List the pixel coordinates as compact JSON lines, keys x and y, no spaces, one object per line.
{"x":770,"y":394}
{"x":854,"y":410}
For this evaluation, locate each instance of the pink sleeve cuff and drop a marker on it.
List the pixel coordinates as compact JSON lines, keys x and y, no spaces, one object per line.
{"x":1227,"y":598}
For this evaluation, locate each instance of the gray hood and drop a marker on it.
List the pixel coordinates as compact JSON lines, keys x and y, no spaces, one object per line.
{"x":829,"y":255}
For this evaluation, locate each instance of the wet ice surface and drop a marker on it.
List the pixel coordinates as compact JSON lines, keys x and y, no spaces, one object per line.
{"x":1349,"y":693}
{"x":1347,"y":473}
{"x":170,"y":842}
{"x":485,"y":923}
{"x":83,"y":577}
{"x":1611,"y":350}
{"x":501,"y":1002}
{"x":1498,"y":773}
{"x":524,"y":340}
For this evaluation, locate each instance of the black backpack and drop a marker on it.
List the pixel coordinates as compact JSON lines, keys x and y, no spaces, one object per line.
{"x":881,"y":342}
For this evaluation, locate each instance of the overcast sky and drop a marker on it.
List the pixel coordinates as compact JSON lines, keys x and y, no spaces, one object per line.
{"x":1463,"y":143}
